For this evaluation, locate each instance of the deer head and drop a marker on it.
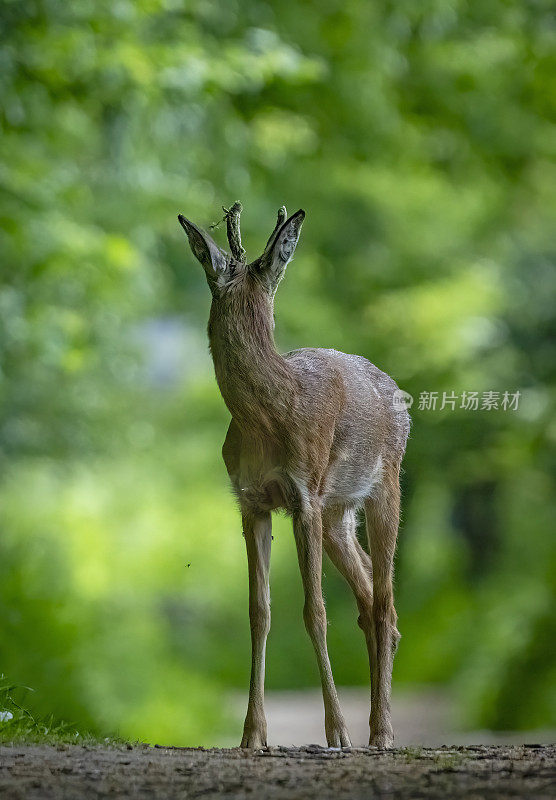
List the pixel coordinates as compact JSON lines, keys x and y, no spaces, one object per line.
{"x":225,"y":270}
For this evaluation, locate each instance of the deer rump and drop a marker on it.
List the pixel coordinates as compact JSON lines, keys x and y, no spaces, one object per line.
{"x":364,"y":432}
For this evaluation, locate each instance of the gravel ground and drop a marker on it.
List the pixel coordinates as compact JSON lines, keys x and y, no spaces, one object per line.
{"x":472,"y":772}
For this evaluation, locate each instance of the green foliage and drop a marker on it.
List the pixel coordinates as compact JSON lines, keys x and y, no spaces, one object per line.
{"x":17,"y":724}
{"x":420,"y":139}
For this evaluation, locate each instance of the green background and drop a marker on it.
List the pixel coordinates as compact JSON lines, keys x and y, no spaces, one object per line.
{"x":420,"y":139}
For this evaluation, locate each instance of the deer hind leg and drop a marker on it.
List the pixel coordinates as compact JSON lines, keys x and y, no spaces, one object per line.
{"x":382,"y":513}
{"x":307,"y":526}
{"x":347,"y":555}
{"x":257,"y":529}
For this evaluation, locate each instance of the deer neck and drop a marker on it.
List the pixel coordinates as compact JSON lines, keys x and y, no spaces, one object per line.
{"x":256,"y":382}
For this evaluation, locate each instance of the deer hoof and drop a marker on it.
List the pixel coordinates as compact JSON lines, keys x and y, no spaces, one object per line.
{"x":338,"y":737}
{"x":253,"y":740}
{"x":384,"y":740}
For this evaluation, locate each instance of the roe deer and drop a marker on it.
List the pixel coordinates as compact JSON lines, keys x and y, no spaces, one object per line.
{"x":318,"y":434}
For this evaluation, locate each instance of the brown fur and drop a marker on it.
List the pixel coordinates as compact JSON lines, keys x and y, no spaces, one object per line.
{"x":316,"y":433}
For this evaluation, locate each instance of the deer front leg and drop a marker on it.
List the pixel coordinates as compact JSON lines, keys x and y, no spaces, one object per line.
{"x":308,"y":537}
{"x":257,"y":529}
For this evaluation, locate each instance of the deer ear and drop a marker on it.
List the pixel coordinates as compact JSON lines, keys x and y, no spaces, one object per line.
{"x":204,"y":248}
{"x":280,"y":249}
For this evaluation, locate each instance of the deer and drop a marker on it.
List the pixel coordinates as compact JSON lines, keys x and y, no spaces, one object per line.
{"x":317,"y":434}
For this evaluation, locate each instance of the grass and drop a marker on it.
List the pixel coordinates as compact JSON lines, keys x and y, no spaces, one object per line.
{"x":411,"y":754}
{"x":19,"y":726}
{"x":443,"y":760}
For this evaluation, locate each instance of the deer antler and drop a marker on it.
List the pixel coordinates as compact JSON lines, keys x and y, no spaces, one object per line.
{"x":282,"y":214}
{"x":232,"y":228}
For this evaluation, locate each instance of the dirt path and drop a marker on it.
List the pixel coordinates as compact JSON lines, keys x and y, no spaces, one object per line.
{"x":70,"y":772}
{"x":426,"y":717}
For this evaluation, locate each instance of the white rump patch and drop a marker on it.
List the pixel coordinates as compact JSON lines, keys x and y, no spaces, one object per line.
{"x":375,"y":478}
{"x":345,"y":487}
